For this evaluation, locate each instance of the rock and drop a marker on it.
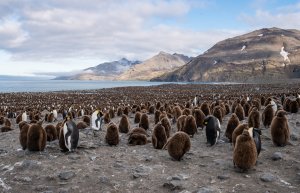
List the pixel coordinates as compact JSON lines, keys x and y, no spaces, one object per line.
{"x":223,"y":176}
{"x":74,"y":157}
{"x":3,"y":151}
{"x":93,"y":158}
{"x":208,"y":189}
{"x":30,"y":164}
{"x":294,"y":137}
{"x":104,"y":180}
{"x":66,"y":175}
{"x":185,"y":191}
{"x":141,"y":171}
{"x":42,"y":188}
{"x":174,"y":185}
{"x":267,"y":177}
{"x":277,"y":156}
{"x":148,"y":158}
{"x":63,"y":190}
{"x":22,"y":179}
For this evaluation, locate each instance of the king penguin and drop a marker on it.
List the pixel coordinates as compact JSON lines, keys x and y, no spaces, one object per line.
{"x":97,"y":118}
{"x":71,"y":135}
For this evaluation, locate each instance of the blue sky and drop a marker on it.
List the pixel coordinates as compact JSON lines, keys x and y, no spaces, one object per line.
{"x":41,"y":37}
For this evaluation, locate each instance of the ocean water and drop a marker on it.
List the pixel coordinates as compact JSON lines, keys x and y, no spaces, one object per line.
{"x":44,"y":85}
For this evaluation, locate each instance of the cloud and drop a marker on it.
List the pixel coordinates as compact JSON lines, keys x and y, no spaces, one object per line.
{"x":283,"y":17}
{"x":54,"y":30}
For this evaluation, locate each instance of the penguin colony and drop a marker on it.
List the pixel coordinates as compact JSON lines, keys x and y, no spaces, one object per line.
{"x":176,"y":121}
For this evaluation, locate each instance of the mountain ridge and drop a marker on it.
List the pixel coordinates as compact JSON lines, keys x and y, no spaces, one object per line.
{"x":262,"y":55}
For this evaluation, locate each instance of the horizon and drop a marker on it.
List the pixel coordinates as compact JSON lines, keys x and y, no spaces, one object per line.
{"x":66,"y":36}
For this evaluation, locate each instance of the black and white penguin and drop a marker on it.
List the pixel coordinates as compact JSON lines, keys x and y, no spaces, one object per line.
{"x":54,"y":111}
{"x":97,"y":119}
{"x":255,"y":134}
{"x":24,"y":116}
{"x":212,"y":129}
{"x":71,"y":135}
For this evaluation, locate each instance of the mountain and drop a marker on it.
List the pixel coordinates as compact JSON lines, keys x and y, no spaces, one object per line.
{"x":269,"y":54}
{"x":157,"y":65}
{"x":104,"y":71}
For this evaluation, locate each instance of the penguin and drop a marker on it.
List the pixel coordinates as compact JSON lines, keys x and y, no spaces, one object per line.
{"x":267,"y":115}
{"x":294,"y":106}
{"x":178,"y":145}
{"x":50,"y":118}
{"x":156,"y":116}
{"x":256,"y":133}
{"x":233,"y":122}
{"x":126,"y":111}
{"x":254,"y":118}
{"x":54,"y":111}
{"x":124,"y":125}
{"x":159,"y":137}
{"x":286,"y":104}
{"x":227,"y":108}
{"x":137,"y":117}
{"x":274,"y":105}
{"x":205,"y":108}
{"x":158,"y":105}
{"x":51,"y":132}
{"x":2,"y":119}
{"x":257,"y":104}
{"x":212,"y":129}
{"x":61,"y":139}
{"x":238,"y":131}
{"x":199,"y":117}
{"x":195,"y":101}
{"x":112,"y":134}
{"x":190,"y":126}
{"x":24,"y":127}
{"x":36,"y":138}
{"x":137,"y":136}
{"x":24,"y":116}
{"x":71,"y":135}
{"x":186,"y":111}
{"x":239,"y":111}
{"x":245,"y":153}
{"x":151,"y":109}
{"x":162,"y":115}
{"x":262,"y":100}
{"x":119,"y":111}
{"x":58,"y":126}
{"x":86,"y":119}
{"x":97,"y":119}
{"x":246,"y":108}
{"x":112,"y":112}
{"x":217,"y":112}
{"x":280,"y":131}
{"x":180,"y":122}
{"x":106,"y":118}
{"x":176,"y":113}
{"x":144,"y":123}
{"x":81,"y":125}
{"x":167,"y":125}
{"x":7,"y":122}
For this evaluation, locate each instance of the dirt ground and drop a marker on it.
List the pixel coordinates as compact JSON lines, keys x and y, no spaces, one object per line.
{"x":97,"y":167}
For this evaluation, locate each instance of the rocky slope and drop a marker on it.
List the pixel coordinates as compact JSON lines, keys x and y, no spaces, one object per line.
{"x":269,"y":54}
{"x":104,"y":71}
{"x":155,"y":66}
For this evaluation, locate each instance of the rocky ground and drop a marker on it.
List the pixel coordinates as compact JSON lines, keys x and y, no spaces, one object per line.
{"x":97,"y":167}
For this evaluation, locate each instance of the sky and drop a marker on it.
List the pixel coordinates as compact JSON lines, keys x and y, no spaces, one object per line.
{"x":59,"y":36}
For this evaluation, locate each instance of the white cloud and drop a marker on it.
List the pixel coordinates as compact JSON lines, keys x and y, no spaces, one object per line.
{"x":286,"y":17}
{"x":56,"y":31}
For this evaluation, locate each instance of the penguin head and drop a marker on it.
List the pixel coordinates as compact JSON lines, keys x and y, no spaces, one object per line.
{"x":281,"y":113}
{"x":246,"y":133}
{"x":206,"y":120}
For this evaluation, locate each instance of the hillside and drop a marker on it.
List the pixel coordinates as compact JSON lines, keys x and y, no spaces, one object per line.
{"x":103,"y":71}
{"x":269,"y":54}
{"x":155,"y":66}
